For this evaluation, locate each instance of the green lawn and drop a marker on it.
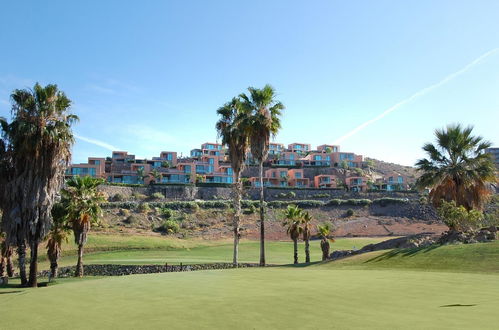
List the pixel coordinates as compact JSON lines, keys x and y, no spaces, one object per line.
{"x":380,"y":290}
{"x":483,"y":257}
{"x":270,"y":298}
{"x":159,"y":250}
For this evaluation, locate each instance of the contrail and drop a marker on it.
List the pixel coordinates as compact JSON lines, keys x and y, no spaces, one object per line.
{"x":416,"y":95}
{"x":97,"y":142}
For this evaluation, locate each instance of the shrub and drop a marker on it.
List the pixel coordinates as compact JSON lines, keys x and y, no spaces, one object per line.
{"x":250,"y":210}
{"x":491,"y":219}
{"x":214,"y":204}
{"x":169,"y":227}
{"x":144,"y":207}
{"x":389,"y":200}
{"x":166,"y":212}
{"x":458,"y":218}
{"x":118,"y":197}
{"x":321,"y":195}
{"x":157,"y":195}
{"x":335,"y":202}
{"x":132,"y":219}
{"x":349,"y":213}
{"x":124,"y":212}
{"x":138,"y":196}
{"x":358,"y":202}
{"x":248,"y":203}
{"x":290,"y":194}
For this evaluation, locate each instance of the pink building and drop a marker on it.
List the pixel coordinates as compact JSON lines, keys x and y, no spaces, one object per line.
{"x":325,"y":181}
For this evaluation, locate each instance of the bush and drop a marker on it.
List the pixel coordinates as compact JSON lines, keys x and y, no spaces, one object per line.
{"x":138,"y":196}
{"x":458,"y":218}
{"x":349,"y":213}
{"x":389,"y":200}
{"x":166,"y":212}
{"x":144,"y":207}
{"x":335,"y":202}
{"x":302,"y":203}
{"x":248,"y":203}
{"x":358,"y":202}
{"x":250,"y":210}
{"x":169,"y":227}
{"x":118,"y":198}
{"x":214,"y":204}
{"x":290,"y":194}
{"x":321,"y":195}
{"x":157,"y":195}
{"x":124,"y":212}
{"x":132,"y":219}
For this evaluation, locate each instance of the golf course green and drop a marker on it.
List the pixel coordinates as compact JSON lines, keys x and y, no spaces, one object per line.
{"x":378,"y":290}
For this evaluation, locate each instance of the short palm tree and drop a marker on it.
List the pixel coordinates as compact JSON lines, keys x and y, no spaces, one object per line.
{"x":36,"y":150}
{"x":58,"y":234}
{"x":458,"y":169}
{"x":292,"y":220}
{"x":82,"y":202}
{"x":324,"y":231}
{"x":306,"y":233}
{"x":264,"y":113}
{"x":230,"y":128}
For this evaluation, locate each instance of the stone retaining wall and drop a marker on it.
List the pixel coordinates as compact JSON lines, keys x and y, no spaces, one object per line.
{"x":186,"y":193}
{"x":120,"y":270}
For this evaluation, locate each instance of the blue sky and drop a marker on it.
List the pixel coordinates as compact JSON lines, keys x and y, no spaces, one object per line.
{"x":148,"y":76}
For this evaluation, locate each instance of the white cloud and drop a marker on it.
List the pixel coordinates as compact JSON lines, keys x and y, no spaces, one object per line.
{"x":97,"y":143}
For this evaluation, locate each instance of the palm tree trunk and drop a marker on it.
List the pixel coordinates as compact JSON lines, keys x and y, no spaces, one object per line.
{"x":79,"y":265}
{"x":54,"y":269}
{"x":10,"y":266}
{"x":262,"y":218}
{"x":295,"y":255}
{"x":3,"y":265}
{"x":33,"y":264}
{"x":21,"y":253}
{"x":307,"y":250}
{"x":325,"y":249}
{"x":237,"y":217}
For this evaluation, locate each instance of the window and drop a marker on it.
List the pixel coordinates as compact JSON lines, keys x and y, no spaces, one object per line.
{"x":229,"y":171}
{"x":284,"y":183}
{"x":97,"y":162}
{"x":298,"y":175}
{"x":317,"y":157}
{"x":400,"y":179}
{"x":328,"y":157}
{"x":291,"y":157}
{"x":169,"y":157}
{"x":199,"y":168}
{"x":211,"y":161}
{"x":283,"y":174}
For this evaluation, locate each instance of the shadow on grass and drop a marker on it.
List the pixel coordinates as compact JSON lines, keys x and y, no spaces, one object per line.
{"x":458,"y":305}
{"x":301,"y":265}
{"x":402,"y":252}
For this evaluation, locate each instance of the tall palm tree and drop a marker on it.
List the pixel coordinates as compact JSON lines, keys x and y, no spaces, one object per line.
{"x":58,"y":234}
{"x":37,"y":146}
{"x":292,"y":220}
{"x":264,"y":114}
{"x":6,"y":264}
{"x":230,"y":128}
{"x":306,"y":233}
{"x":324,"y":231}
{"x":458,"y":169}
{"x":82,"y":202}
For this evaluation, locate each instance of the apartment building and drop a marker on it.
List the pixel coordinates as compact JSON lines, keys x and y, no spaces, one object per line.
{"x":391,"y":181}
{"x":209,"y":163}
{"x":356,"y":183}
{"x":494,"y":152}
{"x":281,"y":177}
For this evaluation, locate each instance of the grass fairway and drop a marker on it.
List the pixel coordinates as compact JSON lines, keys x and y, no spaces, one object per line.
{"x":283,"y":297}
{"x":133,"y":250}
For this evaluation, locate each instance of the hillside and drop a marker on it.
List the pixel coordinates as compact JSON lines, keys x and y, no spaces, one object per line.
{"x":383,"y":168}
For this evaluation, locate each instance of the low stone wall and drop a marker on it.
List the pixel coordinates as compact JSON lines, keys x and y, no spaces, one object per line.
{"x":120,"y":270}
{"x":186,"y":193}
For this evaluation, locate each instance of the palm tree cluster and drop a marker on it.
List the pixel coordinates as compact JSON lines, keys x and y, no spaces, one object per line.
{"x":246,"y":123}
{"x":298,"y":223}
{"x":458,"y":169}
{"x":35,"y":150}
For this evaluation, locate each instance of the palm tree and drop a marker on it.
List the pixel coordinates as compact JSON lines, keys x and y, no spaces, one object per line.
{"x":264,"y":113}
{"x":324,"y":231}
{"x":230,"y":128}
{"x":82,"y":202}
{"x":306,"y":232}
{"x":458,"y":169}
{"x":292,"y":220}
{"x":57,"y":235}
{"x":6,"y":264}
{"x":36,"y":150}
{"x":156,"y":176}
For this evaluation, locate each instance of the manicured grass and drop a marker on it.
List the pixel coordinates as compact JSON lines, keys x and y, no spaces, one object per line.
{"x":132,"y":250}
{"x":270,"y":298}
{"x":480,"y":257}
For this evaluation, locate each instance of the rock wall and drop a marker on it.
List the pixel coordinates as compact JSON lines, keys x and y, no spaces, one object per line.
{"x":187,"y":193}
{"x":120,"y":270}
